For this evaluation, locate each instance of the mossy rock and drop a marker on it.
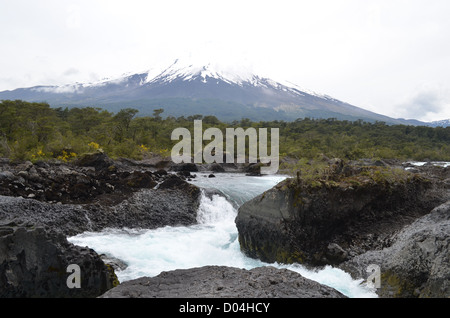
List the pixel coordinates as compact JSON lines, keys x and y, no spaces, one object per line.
{"x":112,"y":275}
{"x":394,"y":286}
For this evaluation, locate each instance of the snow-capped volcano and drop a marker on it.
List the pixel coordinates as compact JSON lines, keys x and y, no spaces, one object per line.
{"x":185,"y":88}
{"x":215,"y":72}
{"x":188,"y":71}
{"x":182,"y":70}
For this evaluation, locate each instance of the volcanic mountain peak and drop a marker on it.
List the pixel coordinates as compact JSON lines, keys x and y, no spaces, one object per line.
{"x":214,"y":72}
{"x":187,"y":71}
{"x":188,"y":87}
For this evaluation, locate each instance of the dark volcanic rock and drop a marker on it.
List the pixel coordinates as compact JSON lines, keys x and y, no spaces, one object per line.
{"x":173,"y":182}
{"x":98,"y":160}
{"x":147,"y":208}
{"x":215,"y":167}
{"x":417,"y":264}
{"x":68,"y":219}
{"x":152,"y":208}
{"x":34,"y":261}
{"x":191,"y":167}
{"x":92,"y":178}
{"x":330,"y":220}
{"x":253,"y":169}
{"x":93,"y":193}
{"x":221,"y":281}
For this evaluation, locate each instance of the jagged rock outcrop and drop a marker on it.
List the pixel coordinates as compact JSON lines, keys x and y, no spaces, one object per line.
{"x":417,"y":264}
{"x":95,"y":178}
{"x":95,"y":193}
{"x":147,"y":208}
{"x":92,"y":178}
{"x":328,"y":220}
{"x":222,"y":281}
{"x":34,"y":263}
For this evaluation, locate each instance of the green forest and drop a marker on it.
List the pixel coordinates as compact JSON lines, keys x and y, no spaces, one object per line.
{"x":36,"y":131}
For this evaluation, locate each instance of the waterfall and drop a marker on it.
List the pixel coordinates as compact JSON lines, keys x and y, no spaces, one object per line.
{"x":213,"y":241}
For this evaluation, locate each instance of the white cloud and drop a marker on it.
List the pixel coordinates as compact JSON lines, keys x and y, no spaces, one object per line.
{"x":73,"y":19}
{"x":428,"y":103}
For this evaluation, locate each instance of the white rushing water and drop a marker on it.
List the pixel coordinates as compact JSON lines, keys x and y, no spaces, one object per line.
{"x":443,"y":164}
{"x":214,"y":241}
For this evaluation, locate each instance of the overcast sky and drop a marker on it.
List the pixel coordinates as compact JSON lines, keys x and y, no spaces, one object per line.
{"x":388,"y":56}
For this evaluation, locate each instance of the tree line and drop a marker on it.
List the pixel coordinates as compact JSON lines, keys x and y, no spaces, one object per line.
{"x":36,"y":131}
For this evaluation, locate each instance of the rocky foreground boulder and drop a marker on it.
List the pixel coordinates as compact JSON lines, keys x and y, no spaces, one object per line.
{"x":34,"y":263}
{"x":417,"y":264}
{"x":222,"y":281}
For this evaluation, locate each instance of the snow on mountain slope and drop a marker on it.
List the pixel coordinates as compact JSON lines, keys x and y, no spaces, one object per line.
{"x":440,"y":123}
{"x":81,"y":87}
{"x":188,"y":87}
{"x":185,"y":71}
{"x":240,"y":76}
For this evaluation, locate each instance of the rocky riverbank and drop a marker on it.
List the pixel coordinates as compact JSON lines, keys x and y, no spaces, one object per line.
{"x":95,"y":193}
{"x":351,"y":211}
{"x":224,"y":282}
